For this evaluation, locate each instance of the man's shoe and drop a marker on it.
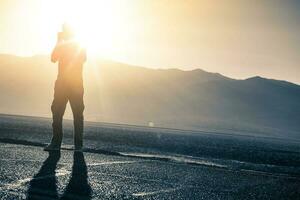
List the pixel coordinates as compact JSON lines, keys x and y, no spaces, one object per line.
{"x":52,"y":147}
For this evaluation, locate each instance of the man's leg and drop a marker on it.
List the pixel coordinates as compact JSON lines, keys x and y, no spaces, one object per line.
{"x":58,"y":108}
{"x":77,"y":105}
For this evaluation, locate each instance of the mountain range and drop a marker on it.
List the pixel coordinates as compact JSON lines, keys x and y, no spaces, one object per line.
{"x":122,"y":93}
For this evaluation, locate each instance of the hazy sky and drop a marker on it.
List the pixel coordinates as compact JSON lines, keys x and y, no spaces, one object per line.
{"x":237,"y":38}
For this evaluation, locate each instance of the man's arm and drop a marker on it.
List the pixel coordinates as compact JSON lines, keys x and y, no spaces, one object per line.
{"x":56,"y":51}
{"x":55,"y":54}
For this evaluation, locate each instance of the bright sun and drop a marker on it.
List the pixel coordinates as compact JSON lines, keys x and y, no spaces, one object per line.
{"x":98,"y":24}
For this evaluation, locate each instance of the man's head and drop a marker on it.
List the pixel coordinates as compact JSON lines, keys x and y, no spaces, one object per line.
{"x":67,"y":32}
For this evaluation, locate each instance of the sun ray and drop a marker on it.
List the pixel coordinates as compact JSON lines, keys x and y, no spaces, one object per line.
{"x":98,"y":25}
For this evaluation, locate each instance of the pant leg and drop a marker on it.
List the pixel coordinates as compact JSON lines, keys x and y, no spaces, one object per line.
{"x":58,"y":108}
{"x":77,"y":105}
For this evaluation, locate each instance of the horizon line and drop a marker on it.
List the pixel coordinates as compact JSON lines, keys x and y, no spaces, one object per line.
{"x":158,"y":68}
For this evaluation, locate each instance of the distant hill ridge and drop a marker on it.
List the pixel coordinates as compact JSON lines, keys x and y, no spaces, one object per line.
{"x":121,"y":93}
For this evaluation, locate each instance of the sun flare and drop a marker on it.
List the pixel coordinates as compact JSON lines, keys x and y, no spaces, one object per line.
{"x":97,"y":24}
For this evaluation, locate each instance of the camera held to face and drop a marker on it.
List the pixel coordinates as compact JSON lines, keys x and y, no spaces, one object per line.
{"x":65,"y":34}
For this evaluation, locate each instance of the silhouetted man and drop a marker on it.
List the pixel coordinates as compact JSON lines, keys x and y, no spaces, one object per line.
{"x":68,"y":87}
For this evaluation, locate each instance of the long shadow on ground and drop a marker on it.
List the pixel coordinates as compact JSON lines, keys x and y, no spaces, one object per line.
{"x":44,"y":184}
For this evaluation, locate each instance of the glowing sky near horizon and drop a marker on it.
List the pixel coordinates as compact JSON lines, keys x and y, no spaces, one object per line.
{"x":237,"y":38}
